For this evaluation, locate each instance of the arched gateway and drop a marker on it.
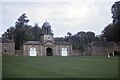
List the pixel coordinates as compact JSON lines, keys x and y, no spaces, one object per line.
{"x":32,"y":51}
{"x":49,"y":52}
{"x":64,"y":52}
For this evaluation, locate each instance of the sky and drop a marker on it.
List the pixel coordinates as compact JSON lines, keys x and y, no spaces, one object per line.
{"x":63,"y":15}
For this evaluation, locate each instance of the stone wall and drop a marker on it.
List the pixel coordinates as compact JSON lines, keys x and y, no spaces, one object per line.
{"x":103,"y":50}
{"x":58,"y":49}
{"x":8,"y":49}
{"x":96,"y":50}
{"x":77,"y":53}
{"x":18,"y":52}
{"x":41,"y":49}
{"x":87,"y":51}
{"x":27,"y":47}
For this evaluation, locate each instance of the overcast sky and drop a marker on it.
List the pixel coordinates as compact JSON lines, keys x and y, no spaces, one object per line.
{"x":63,"y":15}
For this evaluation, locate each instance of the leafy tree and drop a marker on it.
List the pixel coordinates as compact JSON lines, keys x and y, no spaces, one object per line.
{"x":80,"y":39}
{"x":69,"y":34}
{"x":112,"y":31}
{"x":20,"y":32}
{"x":116,"y":20}
{"x":69,"y":38}
{"x":107,"y":32}
{"x":91,"y":36}
{"x":97,"y":38}
{"x":9,"y":33}
{"x":36,"y":32}
{"x":115,"y":10}
{"x":22,"y":21}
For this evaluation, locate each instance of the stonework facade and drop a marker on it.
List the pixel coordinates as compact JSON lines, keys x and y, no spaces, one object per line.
{"x":102,"y":48}
{"x":7,"y":47}
{"x":50,"y":46}
{"x":47,"y":46}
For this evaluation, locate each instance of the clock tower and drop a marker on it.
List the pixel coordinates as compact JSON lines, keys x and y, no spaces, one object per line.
{"x":47,"y":34}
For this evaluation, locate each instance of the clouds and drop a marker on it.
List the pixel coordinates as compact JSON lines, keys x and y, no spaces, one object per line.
{"x":63,"y":15}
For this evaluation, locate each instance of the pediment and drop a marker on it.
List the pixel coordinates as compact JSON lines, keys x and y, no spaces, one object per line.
{"x":48,"y":43}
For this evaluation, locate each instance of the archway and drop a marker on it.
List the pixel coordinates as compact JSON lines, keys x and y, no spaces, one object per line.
{"x":64,"y":52}
{"x":32,"y":51}
{"x":49,"y":52}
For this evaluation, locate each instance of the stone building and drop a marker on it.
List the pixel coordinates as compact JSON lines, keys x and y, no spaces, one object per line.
{"x":47,"y":46}
{"x":7,"y":47}
{"x":101,"y":48}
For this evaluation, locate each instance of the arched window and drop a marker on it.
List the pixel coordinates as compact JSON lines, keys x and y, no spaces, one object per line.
{"x":32,"y":51}
{"x":64,"y":52}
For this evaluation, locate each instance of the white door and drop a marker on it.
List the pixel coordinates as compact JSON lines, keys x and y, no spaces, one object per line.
{"x":64,"y":52}
{"x":33,"y":51}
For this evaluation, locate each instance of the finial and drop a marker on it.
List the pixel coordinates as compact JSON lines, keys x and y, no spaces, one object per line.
{"x":46,"y":20}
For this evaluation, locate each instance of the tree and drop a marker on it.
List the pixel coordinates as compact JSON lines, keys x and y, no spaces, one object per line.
{"x":22,"y":21}
{"x":116,"y":20}
{"x":36,"y":32}
{"x":115,"y":10}
{"x":83,"y":37}
{"x":112,"y":31}
{"x":20,"y":32}
{"x":80,"y":39}
{"x":69,"y":38}
{"x":69,"y":34}
{"x":9,"y":33}
{"x":97,"y":38}
{"x":23,"y":32}
{"x":91,"y":36}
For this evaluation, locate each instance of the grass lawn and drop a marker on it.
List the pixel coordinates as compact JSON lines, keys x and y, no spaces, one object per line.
{"x":60,"y":67}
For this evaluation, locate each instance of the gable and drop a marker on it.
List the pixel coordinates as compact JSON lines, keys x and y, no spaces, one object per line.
{"x":49,"y":43}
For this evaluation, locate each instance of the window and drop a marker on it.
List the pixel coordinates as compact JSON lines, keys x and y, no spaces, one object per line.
{"x":32,"y":51}
{"x":64,"y":52}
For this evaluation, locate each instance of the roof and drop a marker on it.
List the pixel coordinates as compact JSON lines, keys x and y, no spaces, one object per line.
{"x":46,"y":25}
{"x":48,"y":41}
{"x":58,"y":41}
{"x":61,"y":43}
{"x":32,"y":42}
{"x":100,"y":43}
{"x":5,"y":40}
{"x":38,"y":43}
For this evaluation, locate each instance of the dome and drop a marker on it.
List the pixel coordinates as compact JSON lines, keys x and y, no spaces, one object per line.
{"x":46,"y":25}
